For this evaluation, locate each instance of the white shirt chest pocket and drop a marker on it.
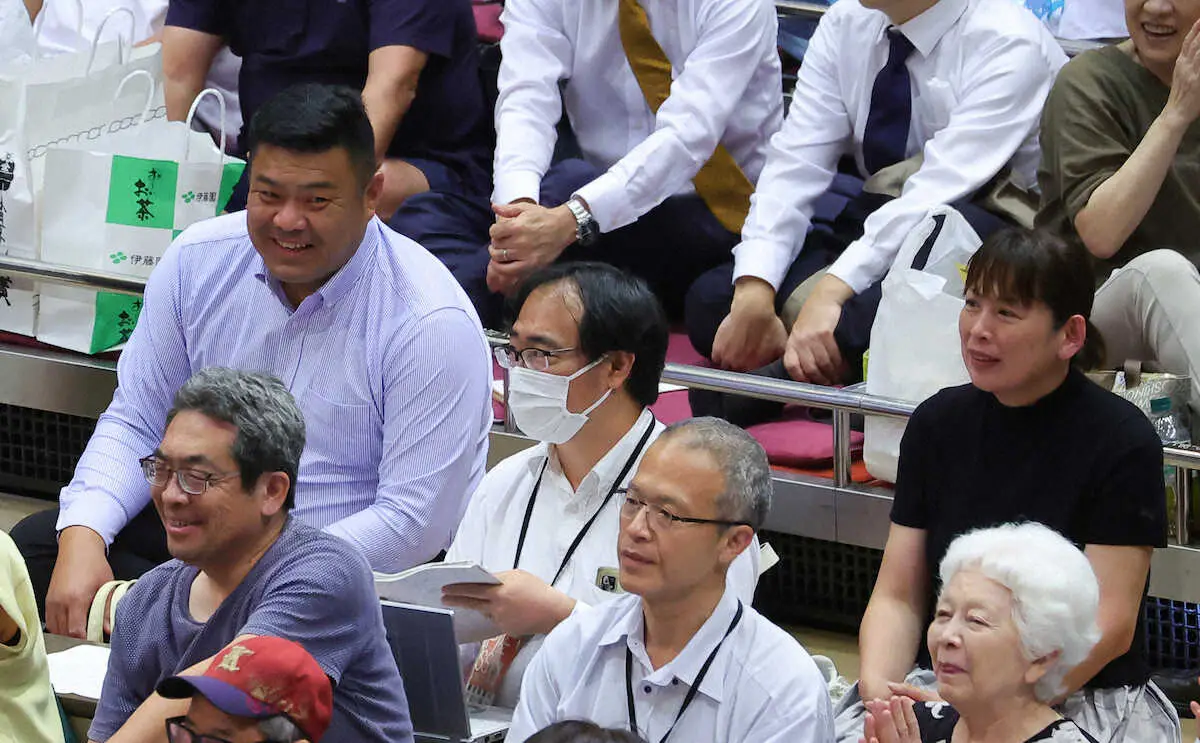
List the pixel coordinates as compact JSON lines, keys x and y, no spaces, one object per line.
{"x":341,"y":435}
{"x":934,"y":103}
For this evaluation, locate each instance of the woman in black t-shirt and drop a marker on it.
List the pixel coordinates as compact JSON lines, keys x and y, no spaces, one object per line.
{"x":1031,"y":439}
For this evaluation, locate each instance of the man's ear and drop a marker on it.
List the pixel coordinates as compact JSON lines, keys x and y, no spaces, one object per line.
{"x":373,"y":191}
{"x":275,"y":486}
{"x":734,"y":542}
{"x":620,"y":367}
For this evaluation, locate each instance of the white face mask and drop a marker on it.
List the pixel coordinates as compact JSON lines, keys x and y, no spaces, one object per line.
{"x":539,"y":403}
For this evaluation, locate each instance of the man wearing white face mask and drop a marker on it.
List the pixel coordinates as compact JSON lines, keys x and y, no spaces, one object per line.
{"x":584,"y":359}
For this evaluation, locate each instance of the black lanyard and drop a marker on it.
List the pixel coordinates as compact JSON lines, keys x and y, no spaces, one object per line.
{"x":582,"y":532}
{"x":687,"y":700}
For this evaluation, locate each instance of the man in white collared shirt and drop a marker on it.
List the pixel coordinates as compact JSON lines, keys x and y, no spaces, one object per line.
{"x":546,"y":519}
{"x":978,"y":73}
{"x":712,"y":69}
{"x":681,"y":657}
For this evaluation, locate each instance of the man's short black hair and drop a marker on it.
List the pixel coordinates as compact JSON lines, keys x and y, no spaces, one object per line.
{"x":311,"y":118}
{"x":620,"y":313}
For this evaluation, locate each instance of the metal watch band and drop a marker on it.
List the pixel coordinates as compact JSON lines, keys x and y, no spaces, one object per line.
{"x":586,"y":229}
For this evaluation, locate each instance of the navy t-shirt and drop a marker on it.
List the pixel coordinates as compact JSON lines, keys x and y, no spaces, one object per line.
{"x":284,"y":42}
{"x":1081,"y":460}
{"x":309,"y":587}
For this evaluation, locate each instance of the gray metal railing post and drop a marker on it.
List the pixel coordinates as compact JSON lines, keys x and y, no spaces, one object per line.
{"x":1183,"y":506}
{"x":841,"y":448}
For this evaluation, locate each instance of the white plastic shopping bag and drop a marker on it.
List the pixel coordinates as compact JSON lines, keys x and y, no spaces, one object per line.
{"x":116,"y":208}
{"x":59,"y":100}
{"x":914,"y":342}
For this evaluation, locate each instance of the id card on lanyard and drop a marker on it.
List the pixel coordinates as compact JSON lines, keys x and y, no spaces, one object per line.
{"x":587,"y":526}
{"x":691,"y":693}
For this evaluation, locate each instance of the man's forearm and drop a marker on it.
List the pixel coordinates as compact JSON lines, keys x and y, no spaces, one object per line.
{"x":187,"y":57}
{"x":392,"y":76}
{"x":386,"y":105}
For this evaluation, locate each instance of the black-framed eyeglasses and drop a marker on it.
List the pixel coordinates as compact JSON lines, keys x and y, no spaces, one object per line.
{"x":179,"y":731}
{"x":192,"y":482}
{"x":659,"y":518}
{"x":537,"y":359}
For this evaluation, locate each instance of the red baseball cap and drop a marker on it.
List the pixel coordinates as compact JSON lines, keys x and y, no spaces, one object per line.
{"x":262,"y":677}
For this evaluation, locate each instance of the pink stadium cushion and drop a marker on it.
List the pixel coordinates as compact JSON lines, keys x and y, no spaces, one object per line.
{"x":796,"y":441}
{"x":487,"y":21}
{"x":680,"y":351}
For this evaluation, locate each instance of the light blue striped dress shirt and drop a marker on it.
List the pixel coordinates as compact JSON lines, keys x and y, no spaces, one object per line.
{"x":387,"y":360}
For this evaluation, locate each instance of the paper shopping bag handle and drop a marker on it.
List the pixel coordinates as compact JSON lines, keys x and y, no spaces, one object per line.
{"x":192,"y":114}
{"x":125,"y":48}
{"x":149,"y":96}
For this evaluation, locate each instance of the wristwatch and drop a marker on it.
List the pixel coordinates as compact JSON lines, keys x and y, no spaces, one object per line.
{"x":586,"y":229}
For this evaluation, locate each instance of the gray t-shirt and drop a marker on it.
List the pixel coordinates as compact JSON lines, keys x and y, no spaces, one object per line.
{"x":309,"y":587}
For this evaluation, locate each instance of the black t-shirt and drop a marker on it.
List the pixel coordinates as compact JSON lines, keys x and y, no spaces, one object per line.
{"x":1081,"y":460}
{"x":937,"y":721}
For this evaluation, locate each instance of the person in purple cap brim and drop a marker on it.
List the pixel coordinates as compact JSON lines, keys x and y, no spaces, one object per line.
{"x":257,"y":690}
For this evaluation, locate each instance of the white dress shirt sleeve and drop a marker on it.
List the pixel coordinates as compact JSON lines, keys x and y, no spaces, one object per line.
{"x":437,"y":412}
{"x":801,"y":162}
{"x":801,"y":712}
{"x":536,"y":55}
{"x":108,"y":488}
{"x":1009,"y":81}
{"x":689,"y":125}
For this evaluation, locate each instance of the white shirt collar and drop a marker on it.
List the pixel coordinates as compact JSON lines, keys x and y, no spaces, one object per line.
{"x":630,"y":627}
{"x":606,"y":470}
{"x":928,"y":28}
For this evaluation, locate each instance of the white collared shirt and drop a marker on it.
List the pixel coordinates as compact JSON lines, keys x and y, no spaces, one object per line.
{"x":726,"y":90}
{"x":980,"y":75}
{"x":491,"y":527}
{"x":762,"y":686}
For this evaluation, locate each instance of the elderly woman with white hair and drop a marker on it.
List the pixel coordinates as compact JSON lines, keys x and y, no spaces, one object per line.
{"x":1016,"y":612}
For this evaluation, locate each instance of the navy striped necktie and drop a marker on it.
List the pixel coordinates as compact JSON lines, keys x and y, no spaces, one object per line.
{"x":886,"y":135}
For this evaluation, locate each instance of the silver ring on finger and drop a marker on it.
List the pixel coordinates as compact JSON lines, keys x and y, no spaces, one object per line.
{"x":504,"y":255}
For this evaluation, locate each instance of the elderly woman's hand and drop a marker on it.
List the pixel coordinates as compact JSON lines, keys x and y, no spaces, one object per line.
{"x":915,"y":693}
{"x":891,"y":721}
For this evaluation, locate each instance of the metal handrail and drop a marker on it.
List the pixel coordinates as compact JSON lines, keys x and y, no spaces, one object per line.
{"x":71,"y":276}
{"x":843,"y":403}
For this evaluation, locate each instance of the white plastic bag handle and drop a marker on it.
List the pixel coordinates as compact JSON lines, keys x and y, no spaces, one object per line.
{"x":192,"y":114}
{"x":149,"y":96}
{"x":126,"y":48}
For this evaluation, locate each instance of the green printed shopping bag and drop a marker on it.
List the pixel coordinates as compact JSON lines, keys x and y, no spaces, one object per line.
{"x":117,"y":212}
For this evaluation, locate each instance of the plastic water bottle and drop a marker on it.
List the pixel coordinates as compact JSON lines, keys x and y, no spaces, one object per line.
{"x":1171,"y":430}
{"x":1168,"y":423}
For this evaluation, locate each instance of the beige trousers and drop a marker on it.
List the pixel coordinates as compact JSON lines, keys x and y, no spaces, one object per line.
{"x":1149,"y":310}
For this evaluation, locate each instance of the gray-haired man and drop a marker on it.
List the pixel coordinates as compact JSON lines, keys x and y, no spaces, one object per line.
{"x":223,"y":482}
{"x":681,"y":657}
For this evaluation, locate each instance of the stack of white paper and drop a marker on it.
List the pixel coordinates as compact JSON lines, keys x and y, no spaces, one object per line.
{"x":79,"y":670}
{"x":423,"y":585}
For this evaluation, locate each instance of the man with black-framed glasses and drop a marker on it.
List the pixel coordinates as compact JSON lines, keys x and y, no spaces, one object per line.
{"x":584,"y":360}
{"x":681,"y":657}
{"x":222,"y":480}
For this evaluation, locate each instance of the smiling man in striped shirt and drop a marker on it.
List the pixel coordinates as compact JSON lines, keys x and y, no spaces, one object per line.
{"x":370,"y":333}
